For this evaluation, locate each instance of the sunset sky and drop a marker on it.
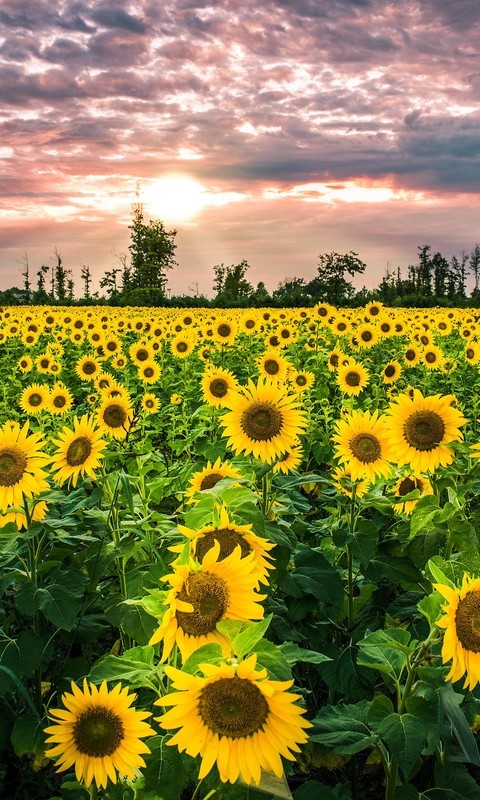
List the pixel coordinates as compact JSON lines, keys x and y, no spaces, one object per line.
{"x":266,"y":130}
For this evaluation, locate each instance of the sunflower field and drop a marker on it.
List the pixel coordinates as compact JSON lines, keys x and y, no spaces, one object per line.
{"x":239,"y":554}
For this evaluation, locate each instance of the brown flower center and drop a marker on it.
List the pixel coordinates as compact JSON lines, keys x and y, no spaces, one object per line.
{"x":210,"y":480}
{"x":333,"y":359}
{"x":224,"y":330}
{"x":410,"y":355}
{"x":142,"y":354}
{"x":228,"y":541}
{"x":366,"y":448}
{"x":261,"y":421}
{"x":409,"y":485}
{"x":271,"y":366}
{"x":366,"y":336}
{"x":148,"y":372}
{"x":424,"y":430}
{"x":114,"y":416}
{"x":208,"y":594}
{"x":250,"y":323}
{"x":13,"y":463}
{"x":218,"y":387}
{"x":301,"y":380}
{"x":89,"y":367}
{"x":182,"y":347}
{"x":390,"y":371}
{"x":470,"y":353}
{"x":98,"y":732}
{"x":78,"y":451}
{"x":35,"y":399}
{"x":233,"y":707}
{"x":467,"y":621}
{"x":352,"y":379}
{"x":59,"y":401}
{"x":430,"y":357}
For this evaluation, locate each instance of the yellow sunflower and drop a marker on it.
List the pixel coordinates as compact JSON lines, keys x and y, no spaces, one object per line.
{"x":273,"y":366}
{"x":412,"y":355}
{"x":150,"y":403}
{"x":34,"y":399}
{"x":21,"y":465}
{"x":461,"y":641}
{"x":224,"y":330}
{"x":87,"y":368}
{"x":182,"y":346}
{"x":60,"y":399}
{"x":300,"y":381}
{"x":472,"y":352}
{"x":263,"y":420}
{"x":149,"y":372}
{"x":115,"y":417}
{"x":208,"y":477}
{"x":98,"y":733}
{"x":16,"y":515}
{"x":352,"y":378}
{"x":391,"y":372}
{"x":342,"y":480}
{"x":140,"y":353}
{"x":216,"y":383}
{"x":366,"y":335}
{"x":432,"y":357}
{"x":408,"y":483}
{"x":42,"y":363}
{"x":25,"y":364}
{"x":362,"y":445}
{"x":229,"y":535}
{"x":78,"y":451}
{"x":421,"y":430}
{"x":202,"y":595}
{"x":289,"y":461}
{"x":236,"y":717}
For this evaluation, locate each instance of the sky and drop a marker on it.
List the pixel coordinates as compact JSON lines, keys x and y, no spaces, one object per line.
{"x":269,"y":131}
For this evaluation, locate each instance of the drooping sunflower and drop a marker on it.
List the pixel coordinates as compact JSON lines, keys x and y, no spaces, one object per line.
{"x":115,"y":417}
{"x":343,"y":482}
{"x":60,"y":399}
{"x":289,"y":461}
{"x":236,"y":717}
{"x":362,"y":445}
{"x":273,"y":366}
{"x":22,"y":465}
{"x":408,"y":483}
{"x":98,"y":733}
{"x":78,"y":451}
{"x":202,"y":595}
{"x":263,"y":420}
{"x":216,"y":384}
{"x":229,"y":535}
{"x":150,"y":403}
{"x":352,"y":378}
{"x":421,"y":430}
{"x":208,"y":477}
{"x":34,"y":398}
{"x":391,"y":372}
{"x":461,"y":641}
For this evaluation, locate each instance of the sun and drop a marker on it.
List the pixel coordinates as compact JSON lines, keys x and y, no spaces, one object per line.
{"x":174,"y":197}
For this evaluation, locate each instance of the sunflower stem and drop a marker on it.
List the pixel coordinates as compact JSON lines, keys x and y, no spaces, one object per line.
{"x":93,"y":791}
{"x":265,"y":493}
{"x":34,"y":554}
{"x":352,"y":521}
{"x":391,"y":784}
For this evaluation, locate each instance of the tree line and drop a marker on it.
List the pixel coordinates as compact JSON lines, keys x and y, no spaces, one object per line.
{"x":140,"y":279}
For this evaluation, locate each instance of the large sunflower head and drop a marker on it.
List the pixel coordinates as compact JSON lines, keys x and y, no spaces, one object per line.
{"x":115,"y":417}
{"x":264,"y":420}
{"x":461,"y":642}
{"x":98,"y":733}
{"x":202,"y":595}
{"x":216,"y":384}
{"x":208,"y":477}
{"x":78,"y":451}
{"x":422,"y":429}
{"x":362,"y":445}
{"x":229,"y":536}
{"x":21,"y":465}
{"x":236,"y":717}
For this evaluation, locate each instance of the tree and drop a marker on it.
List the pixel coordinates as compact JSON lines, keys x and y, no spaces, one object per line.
{"x":330,"y":285}
{"x":86,"y":277}
{"x":59,"y":283}
{"x":26,"y":276}
{"x":152,"y":252}
{"x":109,"y":282}
{"x":41,"y":295}
{"x":474,"y":264}
{"x":291,"y":292}
{"x":230,"y":284}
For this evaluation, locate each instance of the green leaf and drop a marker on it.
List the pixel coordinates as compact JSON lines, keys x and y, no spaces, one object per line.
{"x":404,"y":736}
{"x":311,"y":790}
{"x":60,"y":601}
{"x":399,"y":571}
{"x":27,"y":736}
{"x":451,"y":702}
{"x":452,"y":773}
{"x":271,"y":657}
{"x":436,"y":573}
{"x":127,"y":491}
{"x":344,"y":728}
{"x":385,"y":651}
{"x":363,"y":541}
{"x":207,"y":654}
{"x":134,"y":667}
{"x":292,"y":653}
{"x":316,"y":576}
{"x":245,"y":641}
{"x":167,"y":772}
{"x":132,"y":619}
{"x":431,"y":607}
{"x":380,"y":708}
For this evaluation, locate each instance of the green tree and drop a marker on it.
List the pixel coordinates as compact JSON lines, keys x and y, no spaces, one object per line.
{"x":152,"y":252}
{"x":231,"y":286}
{"x":86,"y":277}
{"x":330,"y":284}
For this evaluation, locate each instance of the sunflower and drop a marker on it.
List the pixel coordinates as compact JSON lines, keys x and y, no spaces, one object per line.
{"x":342,"y":480}
{"x":421,"y":430}
{"x":391,"y":372}
{"x":216,"y":384}
{"x":208,"y":477}
{"x":461,"y":641}
{"x":60,"y":399}
{"x":140,"y":353}
{"x":224,"y":330}
{"x":120,"y":362}
{"x":408,"y":483}
{"x":412,"y":355}
{"x":432,"y":357}
{"x":300,"y":380}
{"x":42,"y":363}
{"x":273,"y":366}
{"x":78,"y":451}
{"x":34,"y":398}
{"x":236,"y":717}
{"x":149,"y":372}
{"x":111,"y":345}
{"x":229,"y":535}
{"x":366,"y":335}
{"x":99,"y":734}
{"x":182,"y":346}
{"x":202,"y":595}
{"x":263,"y":420}
{"x":115,"y":417}
{"x":150,"y":403}
{"x":472,"y":352}
{"x":352,"y":378}
{"x":21,"y":465}
{"x":176,"y":400}
{"x":87,"y":368}
{"x":18,"y":517}
{"x":362,"y":445}
{"x":333,"y":359}
{"x":25,"y":364}
{"x":289,"y":461}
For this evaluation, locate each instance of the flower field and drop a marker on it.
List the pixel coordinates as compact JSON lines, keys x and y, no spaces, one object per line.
{"x":239,"y":553}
